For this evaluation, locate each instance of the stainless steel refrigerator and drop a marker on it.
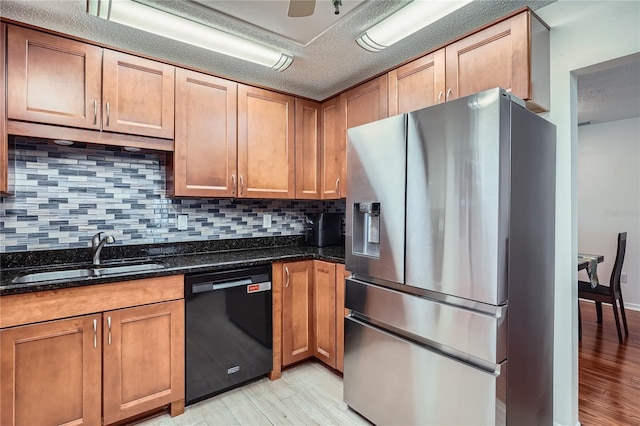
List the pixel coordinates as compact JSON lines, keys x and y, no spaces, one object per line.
{"x":450,"y":241}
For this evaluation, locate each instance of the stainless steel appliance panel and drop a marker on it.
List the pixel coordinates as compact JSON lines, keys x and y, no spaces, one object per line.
{"x":475,"y":334}
{"x":457,"y":197}
{"x":396,"y":382}
{"x":531,"y":269}
{"x":376,"y":197}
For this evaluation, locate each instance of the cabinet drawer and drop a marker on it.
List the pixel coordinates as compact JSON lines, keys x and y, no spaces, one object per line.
{"x":46,"y":305}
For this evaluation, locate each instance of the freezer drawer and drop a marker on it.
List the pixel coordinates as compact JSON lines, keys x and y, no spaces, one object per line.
{"x":477,"y":336}
{"x":389,"y":381}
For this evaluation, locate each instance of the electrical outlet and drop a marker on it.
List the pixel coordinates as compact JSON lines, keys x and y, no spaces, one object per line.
{"x":182,"y":222}
{"x":623,"y":277}
{"x":266,"y":221}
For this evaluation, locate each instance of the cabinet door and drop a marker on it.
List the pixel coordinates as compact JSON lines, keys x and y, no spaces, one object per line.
{"x":307,"y":150}
{"x":495,"y":56}
{"x":143,"y":359}
{"x":361,"y":105}
{"x":205,"y":143}
{"x":50,"y":373}
{"x":138,"y":95}
{"x":297,"y":318}
{"x":52,"y":79}
{"x":334,"y":151}
{"x":418,"y":84}
{"x":324,"y":312}
{"x":341,"y":312}
{"x":4,"y":147}
{"x":365,"y":103}
{"x":265,"y":144}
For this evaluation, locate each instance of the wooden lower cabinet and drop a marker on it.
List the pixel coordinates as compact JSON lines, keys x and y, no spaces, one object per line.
{"x":143,"y":359}
{"x":297,"y":318}
{"x":308,"y":313}
{"x":341,"y":312}
{"x":50,"y":373}
{"x":324,"y":312}
{"x":93,"y":369}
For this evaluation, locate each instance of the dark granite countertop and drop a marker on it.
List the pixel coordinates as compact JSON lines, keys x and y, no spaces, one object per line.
{"x":182,"y":258}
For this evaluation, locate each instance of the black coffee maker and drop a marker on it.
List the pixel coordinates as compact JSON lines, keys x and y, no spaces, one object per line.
{"x":323,"y":229}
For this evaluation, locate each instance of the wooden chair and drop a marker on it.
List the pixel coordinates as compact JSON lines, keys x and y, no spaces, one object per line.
{"x":608,"y":294}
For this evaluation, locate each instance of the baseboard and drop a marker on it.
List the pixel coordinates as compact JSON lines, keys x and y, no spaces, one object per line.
{"x":627,"y":306}
{"x":632,"y":306}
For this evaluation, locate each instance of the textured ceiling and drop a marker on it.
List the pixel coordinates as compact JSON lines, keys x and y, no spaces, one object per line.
{"x":328,"y":65}
{"x":610,"y":91}
{"x":300,"y":30}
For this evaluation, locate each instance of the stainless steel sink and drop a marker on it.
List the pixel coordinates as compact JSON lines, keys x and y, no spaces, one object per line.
{"x":85,"y":272}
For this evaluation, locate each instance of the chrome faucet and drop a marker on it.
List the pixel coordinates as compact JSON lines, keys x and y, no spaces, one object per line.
{"x":97,"y":242}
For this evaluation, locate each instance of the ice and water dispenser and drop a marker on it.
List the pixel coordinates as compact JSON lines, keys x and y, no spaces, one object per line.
{"x":366,"y":229}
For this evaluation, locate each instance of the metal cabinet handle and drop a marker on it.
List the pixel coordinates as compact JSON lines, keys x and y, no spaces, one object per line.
{"x":95,"y":111}
{"x":95,"y":333}
{"x":108,"y":113}
{"x":109,"y":327}
{"x":241,"y":185}
{"x":233,"y":179}
{"x":338,"y":186}
{"x":439,"y":96}
{"x":286,"y":271}
{"x":448,"y":94}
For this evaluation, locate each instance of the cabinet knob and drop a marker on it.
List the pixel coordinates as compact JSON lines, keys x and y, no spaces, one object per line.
{"x":233,"y":180}
{"x":448,"y":94}
{"x":338,"y":186}
{"x":241,"y":185}
{"x":108,"y":113}
{"x":439,"y":96}
{"x":286,"y":271}
{"x":95,"y":111}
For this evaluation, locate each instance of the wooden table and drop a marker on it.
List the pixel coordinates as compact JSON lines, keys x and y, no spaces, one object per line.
{"x":582,"y":262}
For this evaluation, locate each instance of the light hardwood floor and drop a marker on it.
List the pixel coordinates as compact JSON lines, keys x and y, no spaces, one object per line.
{"x":307,"y":394}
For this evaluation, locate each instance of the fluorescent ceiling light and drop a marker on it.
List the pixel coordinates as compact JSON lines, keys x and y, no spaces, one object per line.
{"x":406,"y":21}
{"x":136,"y":15}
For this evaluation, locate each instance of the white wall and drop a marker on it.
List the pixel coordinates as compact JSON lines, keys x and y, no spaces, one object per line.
{"x":583,"y":33}
{"x":609,"y":198}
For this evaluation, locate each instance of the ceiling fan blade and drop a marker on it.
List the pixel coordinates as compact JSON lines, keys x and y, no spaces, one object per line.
{"x":301,"y":8}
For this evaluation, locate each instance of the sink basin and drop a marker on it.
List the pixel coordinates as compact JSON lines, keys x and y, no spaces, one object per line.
{"x":85,"y":272}
{"x":123,"y":269}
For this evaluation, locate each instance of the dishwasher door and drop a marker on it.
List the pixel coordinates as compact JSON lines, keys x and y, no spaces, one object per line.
{"x":228,"y":330}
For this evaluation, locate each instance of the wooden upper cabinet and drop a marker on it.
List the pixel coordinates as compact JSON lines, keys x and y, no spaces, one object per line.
{"x":365,"y":103}
{"x":143,"y":359}
{"x":333,"y":173}
{"x":4,"y":147}
{"x":50,"y":373}
{"x":205,"y":154}
{"x":297,"y":311}
{"x":513,"y":54}
{"x":265,"y":144}
{"x":418,"y":84}
{"x":324,"y":311}
{"x":53,"y":80}
{"x":138,"y":95}
{"x":307,"y":150}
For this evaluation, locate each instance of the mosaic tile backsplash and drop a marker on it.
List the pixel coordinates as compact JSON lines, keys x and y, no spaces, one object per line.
{"x":64,"y":195}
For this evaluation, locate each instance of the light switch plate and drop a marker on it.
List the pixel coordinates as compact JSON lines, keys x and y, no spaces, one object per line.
{"x":182,"y":222}
{"x":266,"y":221}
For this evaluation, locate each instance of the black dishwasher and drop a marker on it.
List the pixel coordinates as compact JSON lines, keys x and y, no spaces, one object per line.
{"x":228,"y":330}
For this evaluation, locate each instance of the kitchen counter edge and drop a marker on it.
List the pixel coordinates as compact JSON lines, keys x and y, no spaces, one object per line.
{"x":179,"y":264}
